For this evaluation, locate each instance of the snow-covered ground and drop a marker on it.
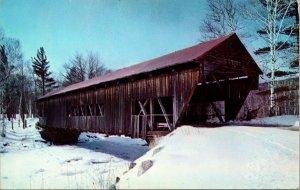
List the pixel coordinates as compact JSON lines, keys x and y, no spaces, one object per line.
{"x":283,"y":120}
{"x":94,"y":162}
{"x":223,"y":157}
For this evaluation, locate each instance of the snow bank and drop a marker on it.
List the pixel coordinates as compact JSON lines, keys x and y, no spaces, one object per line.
{"x":283,"y":120}
{"x":20,"y":139}
{"x":223,"y":157}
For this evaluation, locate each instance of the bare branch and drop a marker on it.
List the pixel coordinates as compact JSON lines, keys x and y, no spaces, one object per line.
{"x":283,"y":17}
{"x":221,"y":20}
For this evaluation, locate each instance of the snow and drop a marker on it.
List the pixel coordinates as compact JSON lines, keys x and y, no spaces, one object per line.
{"x":221,"y":157}
{"x":265,"y":79}
{"x":94,"y":162}
{"x":283,"y":120}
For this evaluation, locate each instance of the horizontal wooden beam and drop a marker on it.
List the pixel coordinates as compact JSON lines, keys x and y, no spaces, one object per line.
{"x":162,"y":115}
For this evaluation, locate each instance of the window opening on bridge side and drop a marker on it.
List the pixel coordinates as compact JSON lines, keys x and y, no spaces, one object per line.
{"x":99,"y":110}
{"x":158,"y":111}
{"x":86,"y":110}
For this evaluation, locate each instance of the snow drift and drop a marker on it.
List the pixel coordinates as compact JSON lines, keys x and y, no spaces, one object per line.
{"x":224,"y":157}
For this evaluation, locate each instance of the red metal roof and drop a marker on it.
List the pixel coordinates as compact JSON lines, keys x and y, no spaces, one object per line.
{"x":178,"y":57}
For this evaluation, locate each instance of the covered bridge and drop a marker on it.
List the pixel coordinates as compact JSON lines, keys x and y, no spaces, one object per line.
{"x":204,"y":83}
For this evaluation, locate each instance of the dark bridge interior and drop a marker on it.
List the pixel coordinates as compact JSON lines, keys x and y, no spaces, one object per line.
{"x":217,"y":101}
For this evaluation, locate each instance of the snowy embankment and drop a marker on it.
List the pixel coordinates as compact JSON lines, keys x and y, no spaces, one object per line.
{"x":94,"y":162}
{"x":224,"y":157}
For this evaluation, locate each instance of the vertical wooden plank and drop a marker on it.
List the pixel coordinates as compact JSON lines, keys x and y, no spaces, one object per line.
{"x":134,"y":126}
{"x":144,"y":125}
{"x":112,"y":110}
{"x":175,"y":95}
{"x":151,"y":114}
{"x":131,"y":125}
{"x":138,"y":127}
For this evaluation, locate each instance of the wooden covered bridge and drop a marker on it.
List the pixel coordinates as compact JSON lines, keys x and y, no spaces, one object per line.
{"x":201,"y":84}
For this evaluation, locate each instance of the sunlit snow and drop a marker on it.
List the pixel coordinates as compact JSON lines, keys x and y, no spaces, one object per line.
{"x":222,"y":157}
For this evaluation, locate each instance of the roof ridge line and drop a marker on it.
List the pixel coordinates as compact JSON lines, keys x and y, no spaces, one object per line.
{"x":157,"y":63}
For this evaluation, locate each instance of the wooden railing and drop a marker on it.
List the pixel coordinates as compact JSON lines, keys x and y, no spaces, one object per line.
{"x":89,"y":123}
{"x":139,"y":123}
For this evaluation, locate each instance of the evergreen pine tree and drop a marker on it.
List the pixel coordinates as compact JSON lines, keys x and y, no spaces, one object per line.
{"x":41,"y":66}
{"x":4,"y":67}
{"x":294,"y":33}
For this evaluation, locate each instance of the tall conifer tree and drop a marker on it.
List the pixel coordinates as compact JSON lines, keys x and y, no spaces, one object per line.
{"x":41,"y":66}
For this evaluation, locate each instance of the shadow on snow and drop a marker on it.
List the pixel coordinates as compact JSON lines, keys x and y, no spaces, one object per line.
{"x":127,"y":149}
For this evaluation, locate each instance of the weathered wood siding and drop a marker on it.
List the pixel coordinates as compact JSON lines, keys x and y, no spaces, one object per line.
{"x":110,"y":107}
{"x":116,"y":99}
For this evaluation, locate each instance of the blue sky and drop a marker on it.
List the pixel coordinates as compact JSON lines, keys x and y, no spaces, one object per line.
{"x":121,"y":32}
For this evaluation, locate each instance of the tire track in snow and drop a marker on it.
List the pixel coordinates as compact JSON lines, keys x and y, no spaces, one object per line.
{"x":266,"y":140}
{"x":257,"y":169}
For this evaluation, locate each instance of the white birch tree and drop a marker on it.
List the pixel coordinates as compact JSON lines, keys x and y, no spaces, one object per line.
{"x":270,"y":16}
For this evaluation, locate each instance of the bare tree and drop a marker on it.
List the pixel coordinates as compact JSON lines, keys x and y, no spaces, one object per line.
{"x":22,"y":95}
{"x":10,"y":55}
{"x":16,"y":84}
{"x":30,"y":89}
{"x":221,"y":20}
{"x":4,"y":74}
{"x":80,"y":69}
{"x":75,"y":70}
{"x":287,"y":44}
{"x":270,"y":16}
{"x":5,"y":68}
{"x":95,"y":67}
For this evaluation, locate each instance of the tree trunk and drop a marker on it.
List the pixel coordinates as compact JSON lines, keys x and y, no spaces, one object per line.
{"x":23,"y":111}
{"x":3,"y":126}
{"x":30,"y":108}
{"x":3,"y":122}
{"x":20,"y":103}
{"x":43,"y":85}
{"x":272,"y":84}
